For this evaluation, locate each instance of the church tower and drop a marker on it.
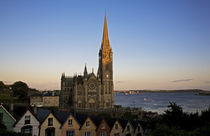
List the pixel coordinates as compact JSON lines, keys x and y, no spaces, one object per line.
{"x":105,"y":69}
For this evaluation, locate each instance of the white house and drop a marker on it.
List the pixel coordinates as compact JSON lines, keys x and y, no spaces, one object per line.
{"x":27,"y":124}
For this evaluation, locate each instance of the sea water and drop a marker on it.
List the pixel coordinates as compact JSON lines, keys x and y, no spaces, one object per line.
{"x":159,"y":101}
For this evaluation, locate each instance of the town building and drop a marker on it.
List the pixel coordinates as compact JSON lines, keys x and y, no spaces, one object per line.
{"x":116,"y":129}
{"x":46,"y":99}
{"x":90,"y":90}
{"x":50,"y":126}
{"x":6,"y":118}
{"x":28,"y":124}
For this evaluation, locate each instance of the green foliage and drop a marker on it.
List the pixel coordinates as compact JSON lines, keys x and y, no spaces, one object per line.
{"x":2,"y":85}
{"x":129,"y":116}
{"x":175,"y":122}
{"x":20,"y":89}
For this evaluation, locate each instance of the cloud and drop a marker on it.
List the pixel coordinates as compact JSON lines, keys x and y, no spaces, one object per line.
{"x":182,"y":80}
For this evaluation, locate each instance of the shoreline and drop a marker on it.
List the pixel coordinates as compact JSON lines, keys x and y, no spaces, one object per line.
{"x":198,"y":91}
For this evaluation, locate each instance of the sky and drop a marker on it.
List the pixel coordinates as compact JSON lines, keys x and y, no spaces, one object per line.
{"x":157,"y":44}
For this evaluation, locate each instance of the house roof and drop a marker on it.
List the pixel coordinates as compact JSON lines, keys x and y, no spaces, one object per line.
{"x":96,"y":120}
{"x":134,"y":124}
{"x":81,"y":118}
{"x":42,"y":114}
{"x":123,"y":123}
{"x":110,"y":122}
{"x":51,"y":112}
{"x":61,"y":116}
{"x":143,"y":124}
{"x":1,"y":106}
{"x":28,"y":109}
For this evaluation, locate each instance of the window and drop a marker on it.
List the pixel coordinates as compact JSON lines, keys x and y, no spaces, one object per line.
{"x":27,"y":131}
{"x":117,"y":134}
{"x":50,"y":121}
{"x":88,"y":133}
{"x":103,"y":134}
{"x":70,"y":122}
{"x":27,"y":119}
{"x":87,"y":123}
{"x":116,"y":126}
{"x":1,"y":117}
{"x":138,"y":128}
{"x":128,"y":128}
{"x":103,"y":126}
{"x":70,"y":133}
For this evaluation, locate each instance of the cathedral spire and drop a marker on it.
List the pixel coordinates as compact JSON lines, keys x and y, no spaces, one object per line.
{"x":105,"y":40}
{"x":85,"y":71}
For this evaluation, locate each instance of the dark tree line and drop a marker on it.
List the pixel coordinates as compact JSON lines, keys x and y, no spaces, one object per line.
{"x":19,"y":90}
{"x":175,"y":122}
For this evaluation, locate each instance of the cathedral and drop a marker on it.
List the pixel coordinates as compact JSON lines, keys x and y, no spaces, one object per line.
{"x":91,"y":91}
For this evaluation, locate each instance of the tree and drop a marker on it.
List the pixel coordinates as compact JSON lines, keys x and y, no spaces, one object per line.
{"x":2,"y":85}
{"x":20,"y":90}
{"x":174,"y":115}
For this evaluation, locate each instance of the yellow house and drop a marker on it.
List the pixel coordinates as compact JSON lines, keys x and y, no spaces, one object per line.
{"x":50,"y":126}
{"x":71,"y":127}
{"x":88,"y":128}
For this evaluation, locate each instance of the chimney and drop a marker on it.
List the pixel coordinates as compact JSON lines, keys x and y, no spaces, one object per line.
{"x":35,"y":109}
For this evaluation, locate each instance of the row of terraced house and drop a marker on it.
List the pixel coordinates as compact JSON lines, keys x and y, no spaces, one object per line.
{"x":43,"y":122}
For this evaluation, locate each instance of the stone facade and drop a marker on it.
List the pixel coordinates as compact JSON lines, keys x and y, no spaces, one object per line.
{"x":90,"y":91}
{"x":48,"y":99}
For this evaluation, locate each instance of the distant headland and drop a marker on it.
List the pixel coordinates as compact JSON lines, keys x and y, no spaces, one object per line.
{"x":197,"y":91}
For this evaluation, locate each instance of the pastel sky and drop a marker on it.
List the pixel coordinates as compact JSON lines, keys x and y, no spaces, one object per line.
{"x":157,"y":44}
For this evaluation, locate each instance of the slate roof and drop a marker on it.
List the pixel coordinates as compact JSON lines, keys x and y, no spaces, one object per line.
{"x":143,"y":125}
{"x":123,"y":123}
{"x":28,"y":109}
{"x":81,"y":118}
{"x":110,"y":122}
{"x":61,"y":116}
{"x":96,"y":120}
{"x":134,"y":124}
{"x":49,"y":93}
{"x":42,"y":114}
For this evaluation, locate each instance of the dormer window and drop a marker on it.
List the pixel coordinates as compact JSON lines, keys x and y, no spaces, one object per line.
{"x":87,"y":123}
{"x":138,"y":128}
{"x":128,"y":128}
{"x":27,"y":119}
{"x":70,"y":122}
{"x":103,"y":126}
{"x":116,"y":126}
{"x":50,"y":121}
